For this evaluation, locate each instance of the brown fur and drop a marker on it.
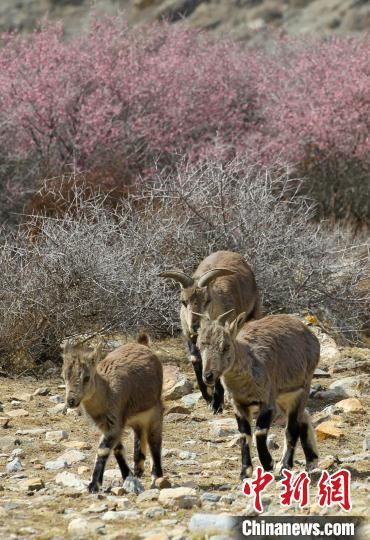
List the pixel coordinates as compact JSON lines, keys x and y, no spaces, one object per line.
{"x":269,"y":362}
{"x":237,"y":291}
{"x":123,"y":389}
{"x":234,"y":289}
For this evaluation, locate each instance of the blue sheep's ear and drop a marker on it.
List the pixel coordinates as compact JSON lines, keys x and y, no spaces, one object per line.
{"x":65,"y":347}
{"x":237,"y":323}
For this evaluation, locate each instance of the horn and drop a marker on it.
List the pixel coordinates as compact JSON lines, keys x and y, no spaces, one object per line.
{"x":184,"y":279}
{"x":202,"y":315}
{"x":206,"y":278}
{"x":221,"y":319}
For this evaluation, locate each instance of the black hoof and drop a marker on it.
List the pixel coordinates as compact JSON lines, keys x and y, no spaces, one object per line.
{"x":93,"y":488}
{"x":217,"y":408}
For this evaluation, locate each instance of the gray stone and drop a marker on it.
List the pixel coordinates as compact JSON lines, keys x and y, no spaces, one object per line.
{"x":43,"y":391}
{"x":354,"y":458}
{"x":69,"y":479}
{"x":180,"y":389}
{"x":218,"y":523}
{"x":148,"y":495}
{"x":120,"y":514}
{"x":351,"y":386}
{"x":83,"y":528}
{"x":56,"y":436}
{"x":190,"y":400}
{"x":227,"y":499}
{"x":56,"y":399}
{"x":60,"y":408}
{"x":14,"y":465}
{"x":17,"y":452}
{"x":72,"y":456}
{"x":318,"y":373}
{"x":155,"y":512}
{"x":185,"y":454}
{"x":181,"y":497}
{"x":224,"y":427}
{"x":133,"y":485}
{"x":210,"y":497}
{"x":113,"y":474}
{"x":97,"y":508}
{"x":34,"y":431}
{"x":56,"y":464}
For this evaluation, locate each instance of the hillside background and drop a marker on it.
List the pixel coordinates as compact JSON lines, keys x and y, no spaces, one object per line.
{"x":240,"y":19}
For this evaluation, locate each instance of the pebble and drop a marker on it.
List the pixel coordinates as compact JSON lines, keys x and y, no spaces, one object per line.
{"x":223,"y":427}
{"x":178,"y":409}
{"x":22,"y":397}
{"x":32,"y":484}
{"x":366,"y":443}
{"x":133,"y":485}
{"x":56,"y":464}
{"x":219,"y":523}
{"x":56,"y":436}
{"x":69,"y":479}
{"x":118,"y":491}
{"x":180,"y":389}
{"x":18,"y":413}
{"x":327,"y":462}
{"x":155,"y":512}
{"x":97,"y":508}
{"x":320,"y":373}
{"x":120,"y":514}
{"x":181,"y":497}
{"x":162,"y":483}
{"x":60,"y":408}
{"x":73,"y":456}
{"x":5,"y":421}
{"x":357,"y":457}
{"x":78,"y":445}
{"x":14,"y":466}
{"x":34,"y":431}
{"x":351,"y":386}
{"x":185,"y":454}
{"x":43,"y":391}
{"x":210,"y":497}
{"x":190,"y":400}
{"x":148,"y":495}
{"x":327,"y":430}
{"x":84,"y":528}
{"x":350,"y":405}
{"x":17,"y":452}
{"x":56,"y":399}
{"x":227,"y":499}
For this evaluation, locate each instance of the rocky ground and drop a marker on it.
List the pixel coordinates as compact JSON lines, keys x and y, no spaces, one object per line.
{"x":46,"y":456}
{"x":241,"y":19}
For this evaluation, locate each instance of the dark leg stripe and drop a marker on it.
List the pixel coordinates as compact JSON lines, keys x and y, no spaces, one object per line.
{"x":155,"y":446}
{"x":292,"y":434}
{"x":218,"y":397}
{"x":264,"y":420}
{"x":263,"y":425}
{"x":307,"y":449}
{"x":244,"y":429}
{"x":263,"y":452}
{"x":118,"y":454}
{"x":197,"y":366}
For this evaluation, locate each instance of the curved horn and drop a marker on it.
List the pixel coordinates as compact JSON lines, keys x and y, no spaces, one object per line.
{"x":184,"y":279}
{"x":206,"y":278}
{"x":221,"y":319}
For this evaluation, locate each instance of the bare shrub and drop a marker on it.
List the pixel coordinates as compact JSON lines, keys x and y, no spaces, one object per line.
{"x":96,"y":267}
